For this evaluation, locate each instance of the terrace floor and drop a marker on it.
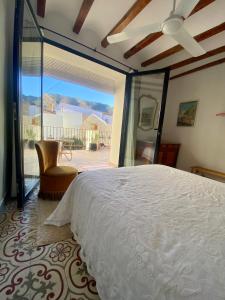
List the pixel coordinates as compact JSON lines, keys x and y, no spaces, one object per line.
{"x":82,"y":160}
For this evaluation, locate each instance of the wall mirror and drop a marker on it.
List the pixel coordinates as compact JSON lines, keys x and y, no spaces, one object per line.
{"x":147,"y":107}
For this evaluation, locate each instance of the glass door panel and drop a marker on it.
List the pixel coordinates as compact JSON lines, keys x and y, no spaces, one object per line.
{"x":28,"y":47}
{"x":145,"y":114}
{"x":31,"y":94}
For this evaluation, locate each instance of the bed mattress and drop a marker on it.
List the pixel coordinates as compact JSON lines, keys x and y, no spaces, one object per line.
{"x":149,"y":232}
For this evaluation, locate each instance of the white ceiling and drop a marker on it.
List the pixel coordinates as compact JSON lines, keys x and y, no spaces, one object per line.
{"x":104,"y":14}
{"x":64,"y":65}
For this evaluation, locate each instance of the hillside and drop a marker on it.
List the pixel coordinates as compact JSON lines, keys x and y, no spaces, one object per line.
{"x":59,"y":99}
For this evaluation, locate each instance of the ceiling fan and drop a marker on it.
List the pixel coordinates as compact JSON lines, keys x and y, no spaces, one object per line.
{"x":172,"y":26}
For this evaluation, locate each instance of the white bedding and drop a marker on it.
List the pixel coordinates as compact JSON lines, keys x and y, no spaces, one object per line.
{"x":149,"y":232}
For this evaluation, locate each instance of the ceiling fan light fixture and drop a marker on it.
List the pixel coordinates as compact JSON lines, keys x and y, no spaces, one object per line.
{"x":172,"y":25}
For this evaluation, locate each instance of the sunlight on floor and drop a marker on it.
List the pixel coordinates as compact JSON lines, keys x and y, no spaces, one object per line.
{"x":82,"y":160}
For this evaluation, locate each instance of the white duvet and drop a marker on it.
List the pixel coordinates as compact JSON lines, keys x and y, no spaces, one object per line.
{"x":149,"y":232}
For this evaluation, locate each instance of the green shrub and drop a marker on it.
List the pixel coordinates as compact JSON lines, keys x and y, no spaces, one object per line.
{"x":30,"y":134}
{"x":78,"y":141}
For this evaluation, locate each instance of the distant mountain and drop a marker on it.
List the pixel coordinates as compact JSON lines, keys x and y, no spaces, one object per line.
{"x":56,"y":99}
{"x":32,"y":99}
{"x":59,"y":99}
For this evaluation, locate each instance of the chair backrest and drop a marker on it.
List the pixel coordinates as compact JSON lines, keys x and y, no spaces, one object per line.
{"x":47,"y":154}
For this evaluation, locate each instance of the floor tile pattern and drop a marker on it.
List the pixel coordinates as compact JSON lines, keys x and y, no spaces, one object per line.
{"x":27,"y":272}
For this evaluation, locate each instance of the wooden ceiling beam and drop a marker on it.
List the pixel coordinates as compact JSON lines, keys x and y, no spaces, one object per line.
{"x":201,"y":4}
{"x":135,"y":9}
{"x":206,"y":66}
{"x":149,"y":39}
{"x":194,"y":59}
{"x":41,"y":4}
{"x":200,"y":37}
{"x":84,"y":10}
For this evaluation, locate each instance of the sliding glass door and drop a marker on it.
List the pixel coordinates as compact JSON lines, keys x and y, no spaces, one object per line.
{"x":28,"y":79}
{"x":143,"y":117}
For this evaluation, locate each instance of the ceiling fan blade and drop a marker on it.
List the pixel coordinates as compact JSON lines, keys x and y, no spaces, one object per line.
{"x":188,"y":42}
{"x":133,"y":32}
{"x":185,"y":7}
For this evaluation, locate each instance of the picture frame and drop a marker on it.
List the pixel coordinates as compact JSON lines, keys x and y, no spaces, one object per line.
{"x":147,"y":106}
{"x":187,"y":113}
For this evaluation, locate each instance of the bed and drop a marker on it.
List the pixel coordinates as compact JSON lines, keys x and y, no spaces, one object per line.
{"x":149,"y":232}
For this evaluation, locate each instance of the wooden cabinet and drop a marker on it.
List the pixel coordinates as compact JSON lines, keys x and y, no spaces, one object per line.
{"x":168,"y":153}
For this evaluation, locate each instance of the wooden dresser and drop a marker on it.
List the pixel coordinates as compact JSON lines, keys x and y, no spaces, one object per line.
{"x":168,"y":153}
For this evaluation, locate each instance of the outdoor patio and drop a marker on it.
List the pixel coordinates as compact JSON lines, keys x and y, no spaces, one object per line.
{"x":82,"y":160}
{"x":85,"y":160}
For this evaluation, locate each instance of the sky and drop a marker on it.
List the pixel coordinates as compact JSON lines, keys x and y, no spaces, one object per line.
{"x":65,"y":88}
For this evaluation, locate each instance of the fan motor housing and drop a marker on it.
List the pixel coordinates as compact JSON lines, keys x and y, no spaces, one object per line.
{"x":172,"y":25}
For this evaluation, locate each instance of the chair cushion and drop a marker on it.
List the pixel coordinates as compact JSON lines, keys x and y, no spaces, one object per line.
{"x":61,"y":171}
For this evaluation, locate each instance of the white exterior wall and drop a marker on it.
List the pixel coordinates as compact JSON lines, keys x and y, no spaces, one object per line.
{"x":55,"y":123}
{"x":63,"y":119}
{"x":71,"y":119}
{"x":53,"y":120}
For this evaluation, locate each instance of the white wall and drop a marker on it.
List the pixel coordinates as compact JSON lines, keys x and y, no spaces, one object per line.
{"x":6,"y":27}
{"x":203,"y":144}
{"x":72,"y":119}
{"x":52,"y":120}
{"x":117,"y":121}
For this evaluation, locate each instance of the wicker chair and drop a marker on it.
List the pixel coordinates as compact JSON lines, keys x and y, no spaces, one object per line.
{"x":54,"y":180}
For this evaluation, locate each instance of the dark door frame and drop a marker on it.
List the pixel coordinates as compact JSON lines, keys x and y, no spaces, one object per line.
{"x":18,"y":25}
{"x":127,"y":94}
{"x":88,"y":57}
{"x":126,"y":106}
{"x":17,"y":61}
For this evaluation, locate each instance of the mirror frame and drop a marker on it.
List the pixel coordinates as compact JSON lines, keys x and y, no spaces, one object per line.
{"x":140,"y":112}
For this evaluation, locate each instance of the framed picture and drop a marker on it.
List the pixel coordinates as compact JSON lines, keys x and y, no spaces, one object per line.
{"x":187,"y":113}
{"x":147,"y":106}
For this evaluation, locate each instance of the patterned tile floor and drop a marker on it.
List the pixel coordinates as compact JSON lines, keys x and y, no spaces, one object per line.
{"x":27,"y":272}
